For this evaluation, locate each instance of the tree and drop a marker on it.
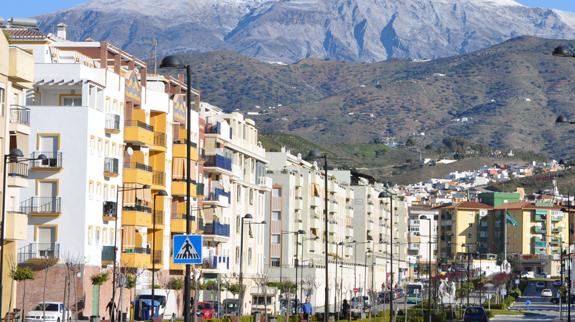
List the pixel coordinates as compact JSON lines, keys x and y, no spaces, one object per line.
{"x":22,"y":274}
{"x":45,"y":265}
{"x":175,"y":284}
{"x":99,"y":280}
{"x":233,"y":288}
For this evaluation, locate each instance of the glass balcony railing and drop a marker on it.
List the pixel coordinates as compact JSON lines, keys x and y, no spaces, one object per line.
{"x":218,"y":161}
{"x":107,"y":253}
{"x":215,"y":228}
{"x":111,"y":166}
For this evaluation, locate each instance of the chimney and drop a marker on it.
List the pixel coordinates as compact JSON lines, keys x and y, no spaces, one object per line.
{"x":61,"y":30}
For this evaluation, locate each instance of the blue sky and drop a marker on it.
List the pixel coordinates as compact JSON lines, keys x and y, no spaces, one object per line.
{"x":28,"y":8}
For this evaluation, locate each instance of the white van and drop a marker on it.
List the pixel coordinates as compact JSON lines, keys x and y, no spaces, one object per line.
{"x":167,"y":299}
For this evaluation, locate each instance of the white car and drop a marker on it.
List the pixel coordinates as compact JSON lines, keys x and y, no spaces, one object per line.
{"x":54,"y":313}
{"x":546,"y":293}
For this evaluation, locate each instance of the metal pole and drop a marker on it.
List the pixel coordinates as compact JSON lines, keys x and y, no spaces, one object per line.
{"x":480,"y":284}
{"x":301,"y":275}
{"x":341,"y":279}
{"x":354,"y":265}
{"x":392,"y":293}
{"x":336,"y":312}
{"x":113,"y":317}
{"x":2,"y":232}
{"x":187,"y":284}
{"x":364,"y":279}
{"x":326,"y":295}
{"x":241,"y":268}
{"x":468,"y":275}
{"x":154,"y":254}
{"x":296,"y":266}
{"x":429,"y":268}
{"x":569,"y":262}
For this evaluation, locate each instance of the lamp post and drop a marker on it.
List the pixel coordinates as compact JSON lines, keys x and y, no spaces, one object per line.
{"x":429,"y":265}
{"x":335,"y":278}
{"x":317,"y":155}
{"x":241,"y":277}
{"x":15,"y":156}
{"x":175,"y":63}
{"x":367,"y":253}
{"x":387,"y":194}
{"x":297,"y":233}
{"x":114,"y":264}
{"x":568,"y":254}
{"x":161,"y":193}
{"x":302,"y":254}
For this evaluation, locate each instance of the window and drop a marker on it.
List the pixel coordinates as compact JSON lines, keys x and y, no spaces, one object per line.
{"x":275,"y":239}
{"x":276,"y":215}
{"x":90,"y":235}
{"x":249,"y":256}
{"x":97,"y":236}
{"x":2,"y":100}
{"x":276,"y":192}
{"x":251,"y":196}
{"x":239,"y":193}
{"x":275,"y":262}
{"x":71,"y":100}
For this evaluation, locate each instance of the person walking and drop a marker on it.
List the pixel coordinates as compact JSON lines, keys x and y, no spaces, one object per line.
{"x":307,"y":310}
{"x":111,"y":307}
{"x":345,"y":308}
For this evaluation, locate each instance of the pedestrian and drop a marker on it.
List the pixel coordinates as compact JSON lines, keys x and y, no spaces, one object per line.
{"x":345,"y":308}
{"x":307,"y":310}
{"x":111,"y":307}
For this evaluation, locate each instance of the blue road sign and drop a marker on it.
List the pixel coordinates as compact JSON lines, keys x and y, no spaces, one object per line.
{"x":187,"y":249}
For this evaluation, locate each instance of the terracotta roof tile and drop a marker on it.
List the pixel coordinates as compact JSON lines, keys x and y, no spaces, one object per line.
{"x":25,"y":34}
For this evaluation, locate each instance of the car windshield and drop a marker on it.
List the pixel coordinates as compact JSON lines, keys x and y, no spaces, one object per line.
{"x":204,"y":306}
{"x":474,"y":310}
{"x":49,"y":307}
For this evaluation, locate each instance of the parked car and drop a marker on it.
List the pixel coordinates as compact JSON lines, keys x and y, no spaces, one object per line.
{"x":543,"y":275}
{"x":555,"y":300}
{"x":475,"y":314}
{"x":540,"y":285}
{"x":54,"y":312}
{"x":231,"y":307}
{"x":546,"y":293}
{"x":527,"y":274}
{"x":557,"y":283}
{"x":206,"y":310}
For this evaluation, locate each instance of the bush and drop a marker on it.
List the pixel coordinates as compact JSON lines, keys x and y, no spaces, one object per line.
{"x":490,"y":314}
{"x":515,"y":293}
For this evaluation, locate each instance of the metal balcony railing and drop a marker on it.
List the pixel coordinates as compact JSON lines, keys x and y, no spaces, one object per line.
{"x":111,"y":165}
{"x":112,"y":122}
{"x":159,"y":217}
{"x":139,"y":166}
{"x":107,"y":253}
{"x":53,"y":160}
{"x":140,"y":124}
{"x":139,"y":208}
{"x":42,"y":205}
{"x":218,"y":161}
{"x":38,"y":251}
{"x":109,"y":208}
{"x":18,"y":170}
{"x":19,"y":115}
{"x":160,"y":139}
{"x":215,"y":228}
{"x":159,"y":178}
{"x":137,"y":250}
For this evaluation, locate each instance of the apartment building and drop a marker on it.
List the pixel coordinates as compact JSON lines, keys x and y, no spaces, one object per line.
{"x":103,"y":125}
{"x":16,"y":78}
{"x":236,"y":186}
{"x":422,"y":239}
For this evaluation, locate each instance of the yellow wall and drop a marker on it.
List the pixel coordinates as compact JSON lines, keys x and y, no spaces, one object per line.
{"x":461,"y":229}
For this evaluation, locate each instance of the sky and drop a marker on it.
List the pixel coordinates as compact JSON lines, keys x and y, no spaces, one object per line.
{"x":29,"y":8}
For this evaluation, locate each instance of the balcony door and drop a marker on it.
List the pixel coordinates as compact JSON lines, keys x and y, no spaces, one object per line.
{"x":49,"y":146}
{"x":46,"y":242}
{"x":47,"y":196}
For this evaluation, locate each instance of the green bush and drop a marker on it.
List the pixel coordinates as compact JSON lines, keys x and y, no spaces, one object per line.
{"x":490,"y":314}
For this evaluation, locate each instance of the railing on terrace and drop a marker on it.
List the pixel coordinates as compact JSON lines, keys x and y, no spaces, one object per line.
{"x":218,"y":161}
{"x":160,"y":139}
{"x":19,"y":115}
{"x":215,"y":228}
{"x":137,"y":250}
{"x":39,"y":205}
{"x":52,"y":160}
{"x":159,"y":178}
{"x":217,"y":193}
{"x":140,"y":208}
{"x":18,"y":170}
{"x":108,"y":253}
{"x":216,"y":262}
{"x":38,"y":251}
{"x":139,"y":166}
{"x":140,"y":124}
{"x":159,"y":217}
{"x":111,"y":165}
{"x":112,"y":122}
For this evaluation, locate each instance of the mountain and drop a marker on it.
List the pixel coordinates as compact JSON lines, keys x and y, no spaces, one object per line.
{"x":506,"y":96}
{"x":291,"y":30}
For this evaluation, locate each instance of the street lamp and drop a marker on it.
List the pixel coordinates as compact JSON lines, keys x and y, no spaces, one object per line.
{"x":317,"y":155}
{"x":430,"y":219}
{"x":15,"y":156}
{"x":241,"y":278}
{"x":175,"y":63}
{"x":118,"y":190}
{"x":387,"y":194}
{"x":161,"y":193}
{"x":335,"y":278}
{"x":367,"y":253}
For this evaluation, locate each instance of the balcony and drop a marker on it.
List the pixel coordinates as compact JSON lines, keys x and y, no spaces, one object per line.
{"x":215,"y":264}
{"x":223,"y":132}
{"x":139,"y":133}
{"x":42,"y":206}
{"x":315,"y":202}
{"x":158,"y":219}
{"x":178,"y":221}
{"x":109,"y":211}
{"x":179,"y":188}
{"x":158,"y":180}
{"x":159,"y":142}
{"x":265,"y":182}
{"x":21,"y":66}
{"x":138,"y":173}
{"x":53,"y":161}
{"x":17,"y":175}
{"x":136,"y":257}
{"x":38,"y":251}
{"x":555,"y":242}
{"x":413,"y":246}
{"x":557,"y":230}
{"x":539,"y":230}
{"x":112,"y":125}
{"x":16,"y":226}
{"x":107,"y":255}
{"x":218,"y":163}
{"x":137,"y":215}
{"x":111,"y":167}
{"x":20,"y":119}
{"x":556,"y":217}
{"x":215,"y":231}
{"x":179,"y":151}
{"x":219,"y":197}
{"x":538,"y":243}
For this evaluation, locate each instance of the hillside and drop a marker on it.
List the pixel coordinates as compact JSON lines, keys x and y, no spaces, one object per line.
{"x":506,"y":96}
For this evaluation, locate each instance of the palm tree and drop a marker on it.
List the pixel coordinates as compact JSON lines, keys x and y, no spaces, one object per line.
{"x":99,"y":280}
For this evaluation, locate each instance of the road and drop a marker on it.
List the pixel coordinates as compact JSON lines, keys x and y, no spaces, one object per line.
{"x":535,"y":307}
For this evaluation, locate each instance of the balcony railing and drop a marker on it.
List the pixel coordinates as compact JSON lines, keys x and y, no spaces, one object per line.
{"x":137,"y":250}
{"x":112,"y":122}
{"x":216,"y":262}
{"x":218,"y":161}
{"x":42,"y":205}
{"x":53,"y":160}
{"x":159,"y":178}
{"x":217,"y":193}
{"x":539,"y":230}
{"x":139,"y":124}
{"x":18,"y":170}
{"x":157,"y":257}
{"x":109,"y":208}
{"x":19,"y":115}
{"x":111,"y":166}
{"x":200,"y":189}
{"x":38,"y":251}
{"x":215,"y":228}
{"x":107,"y":253}
{"x":160,"y":139}
{"x":139,"y":166}
{"x":159,"y":217}
{"x":540,"y":217}
{"x":139,"y":208}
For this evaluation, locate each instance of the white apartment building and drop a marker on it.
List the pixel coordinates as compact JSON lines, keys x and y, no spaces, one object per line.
{"x":236,"y":183}
{"x":419,"y":238}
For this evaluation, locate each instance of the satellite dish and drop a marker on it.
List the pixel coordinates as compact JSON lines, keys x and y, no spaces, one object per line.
{"x":130,"y":151}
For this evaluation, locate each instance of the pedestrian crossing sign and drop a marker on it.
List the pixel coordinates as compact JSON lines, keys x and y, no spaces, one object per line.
{"x":187,"y":249}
